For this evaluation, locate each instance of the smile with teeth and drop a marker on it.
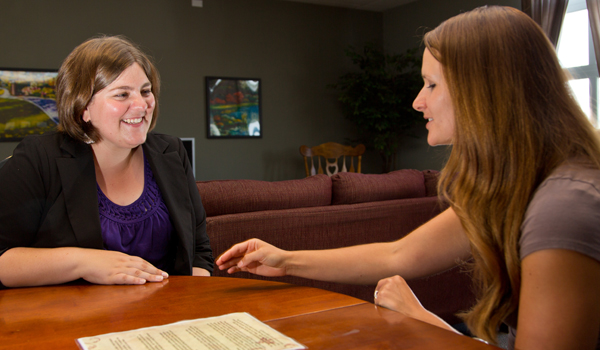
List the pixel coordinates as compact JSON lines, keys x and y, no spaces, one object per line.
{"x":429,"y":119}
{"x":133,"y":120}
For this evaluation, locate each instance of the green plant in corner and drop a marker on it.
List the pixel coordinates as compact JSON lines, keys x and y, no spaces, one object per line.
{"x":378,"y":98}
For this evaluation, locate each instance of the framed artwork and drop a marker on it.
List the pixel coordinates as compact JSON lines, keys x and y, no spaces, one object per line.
{"x":233,"y":108}
{"x":27,"y":102}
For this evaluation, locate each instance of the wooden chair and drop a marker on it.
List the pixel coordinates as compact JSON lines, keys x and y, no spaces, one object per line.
{"x":331,"y":152}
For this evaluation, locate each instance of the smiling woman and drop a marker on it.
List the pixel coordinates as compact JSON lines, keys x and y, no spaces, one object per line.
{"x":102,"y":61}
{"x":122,"y":111}
{"x":102,"y":199}
{"x":434,"y":100}
{"x":522,"y":181}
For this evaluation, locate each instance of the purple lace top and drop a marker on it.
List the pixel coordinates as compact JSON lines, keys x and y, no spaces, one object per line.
{"x":142,"y":228}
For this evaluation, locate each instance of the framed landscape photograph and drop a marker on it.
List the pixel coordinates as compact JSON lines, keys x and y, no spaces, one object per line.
{"x":27,"y":102}
{"x":233,"y":107}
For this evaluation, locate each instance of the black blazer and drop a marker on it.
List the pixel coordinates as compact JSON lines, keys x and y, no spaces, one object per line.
{"x":48,"y":197}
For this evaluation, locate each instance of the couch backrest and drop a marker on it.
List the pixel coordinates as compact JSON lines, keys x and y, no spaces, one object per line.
{"x":221,"y":197}
{"x":351,"y":188}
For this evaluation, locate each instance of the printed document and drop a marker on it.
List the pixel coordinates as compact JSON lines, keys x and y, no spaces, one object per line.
{"x":232,"y":331}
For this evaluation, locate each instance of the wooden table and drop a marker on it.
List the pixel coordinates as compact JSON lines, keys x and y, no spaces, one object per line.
{"x":53,"y":317}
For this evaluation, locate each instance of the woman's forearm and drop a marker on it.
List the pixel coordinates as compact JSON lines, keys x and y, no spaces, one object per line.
{"x":361,"y":264}
{"x":21,"y":267}
{"x":431,"y":318}
{"x":434,"y":247}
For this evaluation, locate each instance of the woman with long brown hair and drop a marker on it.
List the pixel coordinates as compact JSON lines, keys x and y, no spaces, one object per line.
{"x":523,"y":183}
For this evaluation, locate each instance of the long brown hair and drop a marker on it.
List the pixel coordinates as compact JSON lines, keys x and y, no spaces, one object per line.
{"x":91,"y":67}
{"x":516,"y":121}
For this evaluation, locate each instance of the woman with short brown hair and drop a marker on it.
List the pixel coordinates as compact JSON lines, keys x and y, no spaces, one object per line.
{"x":97,"y":63}
{"x":103,"y":199}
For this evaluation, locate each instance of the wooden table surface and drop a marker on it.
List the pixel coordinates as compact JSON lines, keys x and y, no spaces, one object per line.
{"x":54,"y":317}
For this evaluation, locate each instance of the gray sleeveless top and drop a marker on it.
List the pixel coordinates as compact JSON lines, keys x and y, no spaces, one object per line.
{"x":563,"y":214}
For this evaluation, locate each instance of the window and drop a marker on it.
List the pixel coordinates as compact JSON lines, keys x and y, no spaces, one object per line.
{"x":575,"y":51}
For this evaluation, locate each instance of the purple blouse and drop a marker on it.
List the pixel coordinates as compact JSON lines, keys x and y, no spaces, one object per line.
{"x":142,"y":228}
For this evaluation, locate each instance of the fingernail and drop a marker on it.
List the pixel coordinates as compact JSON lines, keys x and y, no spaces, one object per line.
{"x":165,"y":275}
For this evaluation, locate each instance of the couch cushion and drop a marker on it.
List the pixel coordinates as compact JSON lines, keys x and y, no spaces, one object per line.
{"x":221,"y":197}
{"x":349,"y":188}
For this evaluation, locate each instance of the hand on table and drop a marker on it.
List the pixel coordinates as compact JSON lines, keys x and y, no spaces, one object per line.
{"x":394,"y":293}
{"x":254,"y":256}
{"x":111,"y":267}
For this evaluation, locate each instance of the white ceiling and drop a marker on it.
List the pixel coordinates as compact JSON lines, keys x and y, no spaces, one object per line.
{"x":369,"y":5}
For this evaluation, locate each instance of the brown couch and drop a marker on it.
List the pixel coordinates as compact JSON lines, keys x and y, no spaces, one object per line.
{"x":320,"y":212}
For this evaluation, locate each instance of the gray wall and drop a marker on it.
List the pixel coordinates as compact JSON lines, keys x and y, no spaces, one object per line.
{"x":296,"y":49}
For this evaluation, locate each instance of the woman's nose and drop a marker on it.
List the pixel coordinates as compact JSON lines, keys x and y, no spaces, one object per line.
{"x":419,"y":103}
{"x":139,"y":102}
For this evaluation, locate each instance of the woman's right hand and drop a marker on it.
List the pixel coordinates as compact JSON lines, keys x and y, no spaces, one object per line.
{"x":111,"y":267}
{"x":28,"y":267}
{"x":254,"y":256}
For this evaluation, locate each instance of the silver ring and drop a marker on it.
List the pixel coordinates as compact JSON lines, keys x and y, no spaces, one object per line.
{"x":376,"y":292}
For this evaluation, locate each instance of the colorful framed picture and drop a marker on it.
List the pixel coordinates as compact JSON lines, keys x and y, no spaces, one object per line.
{"x":233,"y":107}
{"x":27,"y":102}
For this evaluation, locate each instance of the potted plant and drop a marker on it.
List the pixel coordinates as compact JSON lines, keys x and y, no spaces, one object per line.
{"x":378,"y":98}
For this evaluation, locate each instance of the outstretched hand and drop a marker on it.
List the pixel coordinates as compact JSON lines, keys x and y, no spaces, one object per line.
{"x":111,"y":267}
{"x":254,"y":256}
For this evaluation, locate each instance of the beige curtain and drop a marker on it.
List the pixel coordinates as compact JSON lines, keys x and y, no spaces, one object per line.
{"x":593,"y":7}
{"x":549,"y":14}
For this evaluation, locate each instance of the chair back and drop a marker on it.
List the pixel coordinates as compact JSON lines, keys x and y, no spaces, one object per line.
{"x":328,"y":157}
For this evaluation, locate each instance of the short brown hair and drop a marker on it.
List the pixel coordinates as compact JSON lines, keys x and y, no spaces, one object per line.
{"x":89,"y":68}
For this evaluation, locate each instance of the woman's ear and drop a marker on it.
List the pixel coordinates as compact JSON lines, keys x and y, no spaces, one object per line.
{"x":86,"y":115}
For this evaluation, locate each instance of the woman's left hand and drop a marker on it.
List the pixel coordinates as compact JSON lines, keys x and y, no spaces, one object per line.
{"x":394,"y":293}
